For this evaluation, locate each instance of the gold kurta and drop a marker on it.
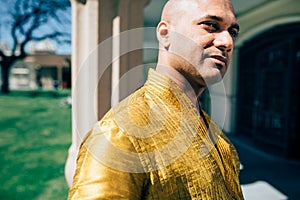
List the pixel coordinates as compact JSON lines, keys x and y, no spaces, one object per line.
{"x":154,"y":145}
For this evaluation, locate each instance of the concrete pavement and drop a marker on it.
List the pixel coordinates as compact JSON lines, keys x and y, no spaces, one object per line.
{"x":266,"y":176}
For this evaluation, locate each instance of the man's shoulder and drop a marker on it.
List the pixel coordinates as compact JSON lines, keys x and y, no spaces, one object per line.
{"x":111,"y":126}
{"x":135,"y":108}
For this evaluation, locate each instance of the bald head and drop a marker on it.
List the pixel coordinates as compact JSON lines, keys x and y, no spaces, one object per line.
{"x":175,"y":9}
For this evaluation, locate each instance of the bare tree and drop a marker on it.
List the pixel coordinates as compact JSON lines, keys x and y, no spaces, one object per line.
{"x":31,"y":20}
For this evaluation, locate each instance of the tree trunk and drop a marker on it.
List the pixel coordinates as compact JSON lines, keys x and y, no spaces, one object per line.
{"x":5,"y":78}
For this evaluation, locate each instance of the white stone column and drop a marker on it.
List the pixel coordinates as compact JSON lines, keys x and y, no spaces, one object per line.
{"x":224,"y":97}
{"x":92,"y":25}
{"x":84,"y":41}
{"x":231,"y":84}
{"x":131,"y":19}
{"x":115,"y":98}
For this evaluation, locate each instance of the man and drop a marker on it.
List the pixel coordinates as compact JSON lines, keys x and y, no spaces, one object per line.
{"x":158,"y":143}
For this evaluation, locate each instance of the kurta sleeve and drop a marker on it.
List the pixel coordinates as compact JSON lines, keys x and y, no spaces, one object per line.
{"x":95,"y":179}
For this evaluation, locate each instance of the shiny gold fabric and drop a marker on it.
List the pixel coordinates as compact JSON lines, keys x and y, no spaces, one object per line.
{"x":154,"y":145}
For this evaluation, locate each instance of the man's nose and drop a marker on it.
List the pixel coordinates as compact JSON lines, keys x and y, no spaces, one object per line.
{"x":224,"y":41}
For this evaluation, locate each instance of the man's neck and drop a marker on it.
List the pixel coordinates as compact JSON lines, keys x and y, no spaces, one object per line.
{"x":181,"y":81}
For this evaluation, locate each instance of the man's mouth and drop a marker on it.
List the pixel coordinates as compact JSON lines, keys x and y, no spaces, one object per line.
{"x":220,"y":61}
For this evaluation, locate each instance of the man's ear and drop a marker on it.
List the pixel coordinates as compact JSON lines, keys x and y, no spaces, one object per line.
{"x":162,"y":33}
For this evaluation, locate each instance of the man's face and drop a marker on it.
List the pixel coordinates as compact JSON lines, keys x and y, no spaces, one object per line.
{"x":202,"y":40}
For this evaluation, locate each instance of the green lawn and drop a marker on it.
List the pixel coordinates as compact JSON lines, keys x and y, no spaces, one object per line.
{"x":35,"y":133}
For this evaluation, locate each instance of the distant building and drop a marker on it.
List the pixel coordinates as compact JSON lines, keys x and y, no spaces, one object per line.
{"x":41,"y":69}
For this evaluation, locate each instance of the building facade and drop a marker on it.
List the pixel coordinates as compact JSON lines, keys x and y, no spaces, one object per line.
{"x":42,"y":68}
{"x":257,"y":99}
{"x":45,"y":71}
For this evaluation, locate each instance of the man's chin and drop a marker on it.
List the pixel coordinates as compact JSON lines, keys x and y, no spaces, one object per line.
{"x":213,"y":79}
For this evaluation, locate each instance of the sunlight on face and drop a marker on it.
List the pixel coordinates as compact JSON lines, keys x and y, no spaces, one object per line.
{"x":201,"y":38}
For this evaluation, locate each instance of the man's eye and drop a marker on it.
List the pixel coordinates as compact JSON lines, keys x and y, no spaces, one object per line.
{"x":234,"y":33}
{"x":210,"y":26}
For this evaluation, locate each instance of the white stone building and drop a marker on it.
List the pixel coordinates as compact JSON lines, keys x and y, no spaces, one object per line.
{"x":258,"y":98}
{"x":41,"y":69}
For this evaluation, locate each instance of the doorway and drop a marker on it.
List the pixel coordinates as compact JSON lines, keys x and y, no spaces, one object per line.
{"x":268,"y":91}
